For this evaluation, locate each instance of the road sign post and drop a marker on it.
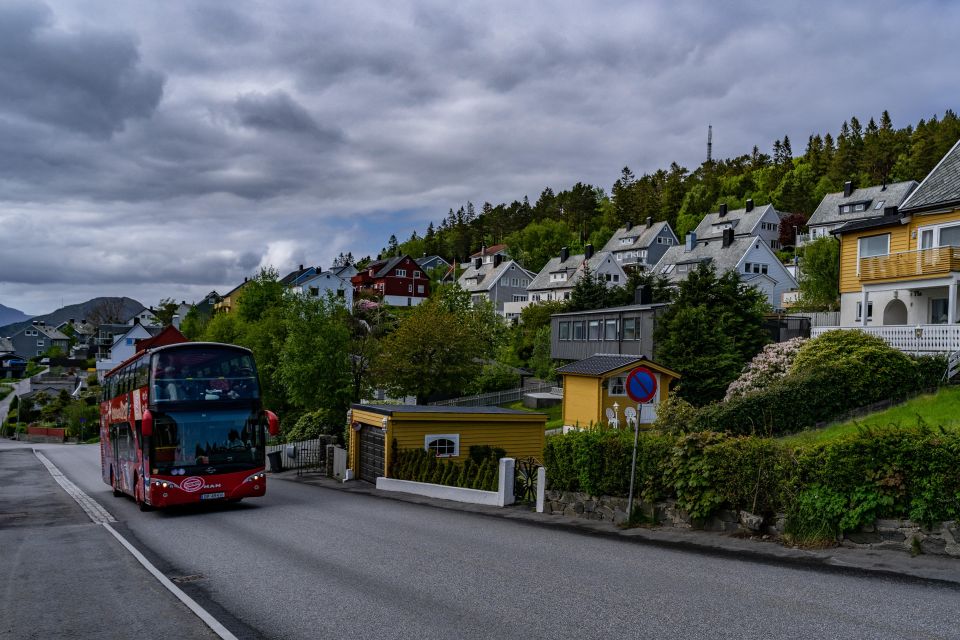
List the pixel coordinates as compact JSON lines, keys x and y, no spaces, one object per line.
{"x":641,"y":386}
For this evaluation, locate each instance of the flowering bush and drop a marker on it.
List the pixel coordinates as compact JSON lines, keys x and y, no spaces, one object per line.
{"x":772,"y":363}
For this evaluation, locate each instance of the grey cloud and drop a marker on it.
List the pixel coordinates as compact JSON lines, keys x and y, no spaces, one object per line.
{"x":277,"y":111}
{"x":89,"y":81}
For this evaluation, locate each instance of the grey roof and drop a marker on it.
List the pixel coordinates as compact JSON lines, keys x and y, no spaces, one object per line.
{"x":891,"y":195}
{"x":743,"y":221}
{"x":869,"y":223}
{"x":723,"y":258}
{"x":599,"y":364}
{"x":49,"y":331}
{"x":294,"y":275}
{"x":434,"y":258}
{"x":488,"y":274}
{"x":6,"y":345}
{"x":941,"y":187}
{"x":383,"y":267}
{"x":624,"y":309}
{"x":391,"y":409}
{"x":571,"y":266}
{"x":642,"y":235}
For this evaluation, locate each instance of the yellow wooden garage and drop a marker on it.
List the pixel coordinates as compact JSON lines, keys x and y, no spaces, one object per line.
{"x":449,"y":431}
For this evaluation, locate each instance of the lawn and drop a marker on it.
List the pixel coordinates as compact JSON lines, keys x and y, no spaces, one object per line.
{"x":554,"y":414}
{"x":935,"y":409}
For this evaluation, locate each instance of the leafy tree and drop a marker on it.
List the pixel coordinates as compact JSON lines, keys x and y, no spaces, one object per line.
{"x":541,"y":364}
{"x":432,"y":352}
{"x":194,"y":323}
{"x":313,"y":364}
{"x":533,"y":318}
{"x":539,"y":241}
{"x":714,"y":327}
{"x":165,"y":311}
{"x":820,"y":275}
{"x":261,"y":296}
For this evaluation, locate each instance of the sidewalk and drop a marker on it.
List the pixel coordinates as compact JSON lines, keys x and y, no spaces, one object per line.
{"x":891,"y":564}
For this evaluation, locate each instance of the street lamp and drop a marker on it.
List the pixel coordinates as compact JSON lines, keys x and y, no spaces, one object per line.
{"x":616,"y":413}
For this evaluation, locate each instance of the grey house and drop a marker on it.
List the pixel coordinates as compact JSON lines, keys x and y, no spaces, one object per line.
{"x":497,"y":280}
{"x":38,"y":338}
{"x":853,"y":205}
{"x":749,"y":256}
{"x":751,"y":221}
{"x":559,"y":276}
{"x":641,"y":247}
{"x":432,"y":262}
{"x":616,"y":330}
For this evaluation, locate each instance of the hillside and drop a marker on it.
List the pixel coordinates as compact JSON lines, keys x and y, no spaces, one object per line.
{"x":10,"y":316}
{"x":97,"y":310}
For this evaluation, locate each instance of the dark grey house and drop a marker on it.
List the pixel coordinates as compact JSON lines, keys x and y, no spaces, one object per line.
{"x":624,"y":331}
{"x":38,"y":338}
{"x":641,"y":246}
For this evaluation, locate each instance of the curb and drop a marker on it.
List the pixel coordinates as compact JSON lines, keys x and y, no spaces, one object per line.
{"x":936,"y":570}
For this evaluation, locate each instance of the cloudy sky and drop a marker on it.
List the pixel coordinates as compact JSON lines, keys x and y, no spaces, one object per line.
{"x":164,"y":149}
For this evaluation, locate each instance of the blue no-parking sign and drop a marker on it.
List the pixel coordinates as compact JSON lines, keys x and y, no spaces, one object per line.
{"x":641,"y":385}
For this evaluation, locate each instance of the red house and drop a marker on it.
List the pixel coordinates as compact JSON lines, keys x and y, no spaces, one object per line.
{"x":399,"y":281}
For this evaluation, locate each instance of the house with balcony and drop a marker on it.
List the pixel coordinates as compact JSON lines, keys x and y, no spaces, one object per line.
{"x":560,"y":275}
{"x":228,"y":301}
{"x":750,"y":256}
{"x":497,"y":280}
{"x":899,"y":272}
{"x":751,"y":221}
{"x":400,"y":281}
{"x":641,"y":246}
{"x":855,"y":205}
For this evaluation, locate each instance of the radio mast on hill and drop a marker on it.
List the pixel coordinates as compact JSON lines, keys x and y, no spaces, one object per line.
{"x":709,"y":143}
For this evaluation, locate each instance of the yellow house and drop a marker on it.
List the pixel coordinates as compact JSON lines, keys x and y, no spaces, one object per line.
{"x":593,"y":386}
{"x":229,"y":301}
{"x":449,"y":431}
{"x":900,"y":269}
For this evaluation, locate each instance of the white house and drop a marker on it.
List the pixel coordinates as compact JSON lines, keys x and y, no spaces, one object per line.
{"x":320,"y":284}
{"x":560,"y":275}
{"x":750,"y":221}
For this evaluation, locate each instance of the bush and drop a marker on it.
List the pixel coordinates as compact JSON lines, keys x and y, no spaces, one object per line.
{"x":314,"y":424}
{"x":675,"y":415}
{"x":420,"y":465}
{"x":772,"y":363}
{"x":494,"y":377}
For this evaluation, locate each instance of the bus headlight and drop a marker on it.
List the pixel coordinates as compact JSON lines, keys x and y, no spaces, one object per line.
{"x":254,"y":477}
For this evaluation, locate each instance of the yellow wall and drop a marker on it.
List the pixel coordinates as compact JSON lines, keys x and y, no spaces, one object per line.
{"x":586,"y":398}
{"x":901,"y":239}
{"x":520,"y":435}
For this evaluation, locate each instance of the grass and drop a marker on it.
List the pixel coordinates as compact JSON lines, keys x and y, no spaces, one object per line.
{"x":940,"y":409}
{"x":554,"y":414}
{"x":5,"y":390}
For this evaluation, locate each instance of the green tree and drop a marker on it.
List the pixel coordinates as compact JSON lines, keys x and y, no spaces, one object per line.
{"x":820,"y":275}
{"x":314,"y":358}
{"x":165,"y":311}
{"x":534,"y":245}
{"x":590,"y":292}
{"x":712,"y":329}
{"x":194,"y":324}
{"x":541,"y":364}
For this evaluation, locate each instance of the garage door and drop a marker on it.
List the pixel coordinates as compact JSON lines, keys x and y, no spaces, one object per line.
{"x":371,"y":453}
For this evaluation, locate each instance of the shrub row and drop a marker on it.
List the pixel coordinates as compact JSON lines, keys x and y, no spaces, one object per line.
{"x":825,"y":488}
{"x":419,"y":465}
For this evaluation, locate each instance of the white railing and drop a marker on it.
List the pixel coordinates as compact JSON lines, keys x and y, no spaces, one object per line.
{"x":492,"y":399}
{"x":924,"y":338}
{"x":557,"y":391}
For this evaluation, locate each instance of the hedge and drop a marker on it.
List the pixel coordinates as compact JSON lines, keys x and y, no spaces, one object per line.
{"x":824,"y":489}
{"x":420,"y":465}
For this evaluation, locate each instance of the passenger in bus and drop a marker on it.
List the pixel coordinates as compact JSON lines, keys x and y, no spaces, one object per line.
{"x":242,"y":385}
{"x":171,"y":390}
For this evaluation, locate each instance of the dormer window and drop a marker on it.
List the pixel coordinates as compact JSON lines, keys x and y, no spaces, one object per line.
{"x":559,"y":276}
{"x":627,"y":240}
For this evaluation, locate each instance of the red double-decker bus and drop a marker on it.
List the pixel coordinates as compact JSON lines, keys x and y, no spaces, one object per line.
{"x":184,"y":423}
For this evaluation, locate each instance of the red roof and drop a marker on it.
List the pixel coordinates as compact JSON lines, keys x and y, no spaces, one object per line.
{"x":489,"y":251}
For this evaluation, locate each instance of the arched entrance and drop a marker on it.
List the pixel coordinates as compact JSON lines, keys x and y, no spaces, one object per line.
{"x":895,"y":313}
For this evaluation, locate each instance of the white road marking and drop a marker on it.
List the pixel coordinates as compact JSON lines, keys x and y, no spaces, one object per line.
{"x":101,"y":516}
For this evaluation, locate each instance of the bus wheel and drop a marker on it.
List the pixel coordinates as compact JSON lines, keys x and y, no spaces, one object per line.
{"x":113,"y":483}
{"x":138,"y":497}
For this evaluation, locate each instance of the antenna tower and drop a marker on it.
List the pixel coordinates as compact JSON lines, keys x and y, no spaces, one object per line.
{"x":709,"y":143}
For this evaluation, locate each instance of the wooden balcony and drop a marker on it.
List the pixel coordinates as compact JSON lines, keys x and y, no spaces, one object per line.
{"x":910,"y":264}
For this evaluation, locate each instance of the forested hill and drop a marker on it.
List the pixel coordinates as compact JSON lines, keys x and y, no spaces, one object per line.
{"x":795,"y":183}
{"x":95,"y":311}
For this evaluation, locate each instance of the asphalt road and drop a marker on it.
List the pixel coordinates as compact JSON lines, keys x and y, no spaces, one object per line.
{"x":309,"y":562}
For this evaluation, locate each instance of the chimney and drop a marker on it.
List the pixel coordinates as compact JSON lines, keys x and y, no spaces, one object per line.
{"x":477,"y":262}
{"x":723,"y":209}
{"x":649,"y":221}
{"x":244,"y":278}
{"x":71,"y":320}
{"x":691,"y":241}
{"x":629,"y":225}
{"x":176,"y":321}
{"x":727,"y":237}
{"x":749,"y":206}
{"x":643,"y":295}
{"x":301,"y":267}
{"x":497,"y":259}
{"x":847,"y":189}
{"x":564,"y":253}
{"x":483,"y":250}
{"x":588,"y":251}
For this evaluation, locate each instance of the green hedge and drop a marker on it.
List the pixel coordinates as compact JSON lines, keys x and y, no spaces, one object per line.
{"x":819,"y":394}
{"x":825,"y":489}
{"x":419,"y":465}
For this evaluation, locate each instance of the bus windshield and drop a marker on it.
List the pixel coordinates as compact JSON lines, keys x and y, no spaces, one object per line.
{"x":221,"y":438}
{"x":203,"y":374}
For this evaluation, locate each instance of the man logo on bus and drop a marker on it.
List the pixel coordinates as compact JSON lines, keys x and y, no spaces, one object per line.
{"x":192,"y":484}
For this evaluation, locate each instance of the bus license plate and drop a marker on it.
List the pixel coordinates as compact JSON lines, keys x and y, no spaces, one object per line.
{"x":213,"y":496}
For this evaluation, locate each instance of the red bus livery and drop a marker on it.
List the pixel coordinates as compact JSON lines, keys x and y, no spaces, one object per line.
{"x":184,"y":423}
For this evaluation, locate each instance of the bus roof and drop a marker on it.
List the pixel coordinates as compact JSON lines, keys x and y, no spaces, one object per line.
{"x":173,"y":347}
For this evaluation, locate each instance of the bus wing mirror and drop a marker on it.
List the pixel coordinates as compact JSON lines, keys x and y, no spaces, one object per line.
{"x":146,"y":424}
{"x":273,"y":423}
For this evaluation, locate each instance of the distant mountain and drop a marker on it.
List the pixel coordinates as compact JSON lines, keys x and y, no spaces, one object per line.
{"x":97,"y":311}
{"x":9,"y":316}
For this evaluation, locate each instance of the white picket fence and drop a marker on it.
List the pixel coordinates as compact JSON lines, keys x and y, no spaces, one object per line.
{"x":919,"y":339}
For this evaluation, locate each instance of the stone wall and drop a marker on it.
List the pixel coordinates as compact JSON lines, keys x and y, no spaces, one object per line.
{"x":898,"y":535}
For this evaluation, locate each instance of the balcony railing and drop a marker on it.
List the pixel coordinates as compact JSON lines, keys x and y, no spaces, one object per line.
{"x":908,"y":264}
{"x":924,"y":338}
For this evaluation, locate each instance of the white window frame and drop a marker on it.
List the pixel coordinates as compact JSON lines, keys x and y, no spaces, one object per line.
{"x":936,"y":228}
{"x":417,"y":274}
{"x":859,"y":244}
{"x":401,"y":273}
{"x":433,"y":437}
{"x":617,"y":382}
{"x":860,"y":310}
